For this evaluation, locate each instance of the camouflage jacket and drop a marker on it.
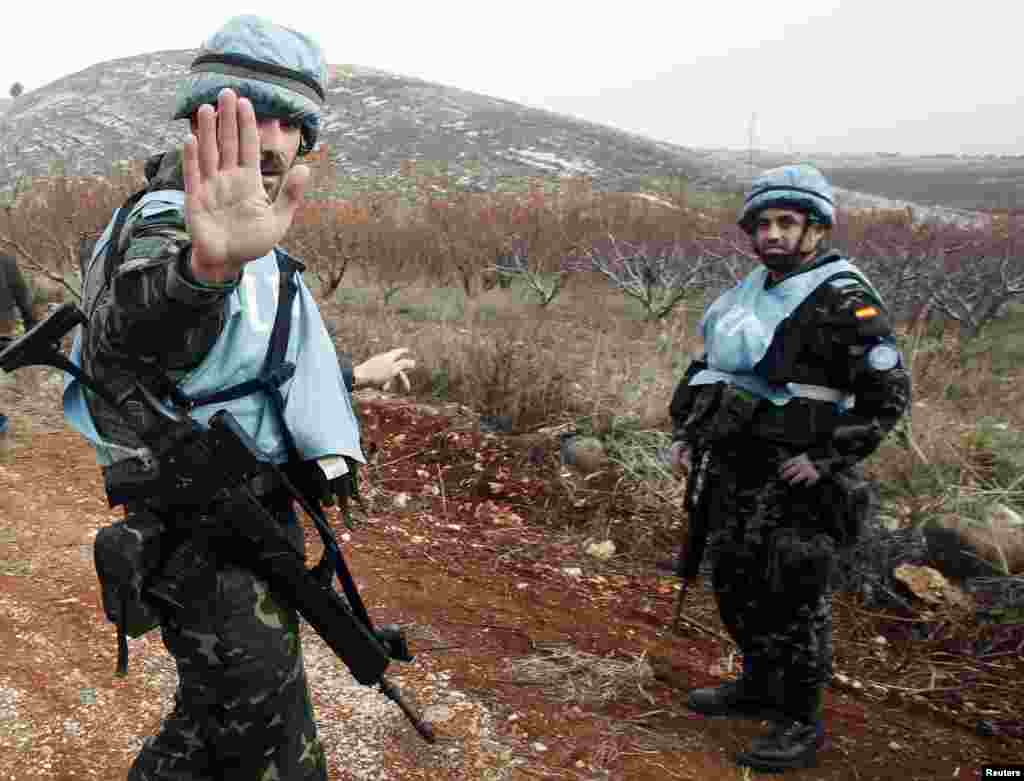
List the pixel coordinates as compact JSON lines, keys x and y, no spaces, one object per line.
{"x":826,"y":341}
{"x":153,"y":310}
{"x":14,"y":292}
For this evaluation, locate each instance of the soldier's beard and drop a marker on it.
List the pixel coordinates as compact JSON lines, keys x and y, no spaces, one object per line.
{"x":781,"y":262}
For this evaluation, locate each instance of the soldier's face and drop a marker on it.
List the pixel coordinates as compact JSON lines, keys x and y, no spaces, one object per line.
{"x":279,"y":146}
{"x":780,"y":239}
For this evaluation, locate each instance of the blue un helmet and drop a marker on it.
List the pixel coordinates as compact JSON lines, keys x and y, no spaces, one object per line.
{"x":801,"y":187}
{"x":282,"y":72}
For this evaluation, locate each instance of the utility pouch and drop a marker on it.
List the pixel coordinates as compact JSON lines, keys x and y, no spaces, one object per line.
{"x":126,"y":554}
{"x":855,"y":500}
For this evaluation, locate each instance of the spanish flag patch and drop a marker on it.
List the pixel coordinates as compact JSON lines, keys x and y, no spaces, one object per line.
{"x":865,"y":312}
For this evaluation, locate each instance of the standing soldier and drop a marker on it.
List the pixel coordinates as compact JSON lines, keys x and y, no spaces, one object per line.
{"x":800,"y":380}
{"x":182,"y":295}
{"x":14,"y":294}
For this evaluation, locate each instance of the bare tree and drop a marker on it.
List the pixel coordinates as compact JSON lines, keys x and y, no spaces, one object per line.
{"x":545,"y":243}
{"x":330,"y":236}
{"x":657,"y":274}
{"x":973,"y":285}
{"x":16,"y":89}
{"x":467,"y":237}
{"x":952,"y":272}
{"x":44,"y":222}
{"x":398,"y":255}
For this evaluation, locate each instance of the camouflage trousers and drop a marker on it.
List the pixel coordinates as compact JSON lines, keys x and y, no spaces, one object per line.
{"x":242,"y":710}
{"x":771,"y":566}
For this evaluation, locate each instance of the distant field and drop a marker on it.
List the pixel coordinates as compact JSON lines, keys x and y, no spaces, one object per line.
{"x":981,"y":184}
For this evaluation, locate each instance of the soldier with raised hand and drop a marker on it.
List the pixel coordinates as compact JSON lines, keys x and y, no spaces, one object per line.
{"x":800,"y":381}
{"x":181,"y":294}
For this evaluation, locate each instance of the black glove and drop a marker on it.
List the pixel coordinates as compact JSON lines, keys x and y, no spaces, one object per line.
{"x":330,"y":492}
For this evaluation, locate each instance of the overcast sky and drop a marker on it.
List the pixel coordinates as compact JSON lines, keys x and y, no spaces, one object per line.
{"x":830,"y":75}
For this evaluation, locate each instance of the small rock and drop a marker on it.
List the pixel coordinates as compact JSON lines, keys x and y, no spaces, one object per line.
{"x":985,"y":728}
{"x":895,"y":746}
{"x":601,"y":550}
{"x":513,"y":717}
{"x":438,"y":714}
{"x":401,"y":500}
{"x":538,"y":746}
{"x":880,"y":640}
{"x":586,"y":454}
{"x":928,"y":585}
{"x":572,"y":572}
{"x":522,"y":586}
{"x":496,"y":424}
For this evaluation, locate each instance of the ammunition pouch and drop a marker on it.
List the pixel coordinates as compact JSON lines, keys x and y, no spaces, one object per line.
{"x":127,"y":554}
{"x":854,"y":500}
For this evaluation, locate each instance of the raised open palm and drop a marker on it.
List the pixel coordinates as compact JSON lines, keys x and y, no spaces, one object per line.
{"x":230,"y":218}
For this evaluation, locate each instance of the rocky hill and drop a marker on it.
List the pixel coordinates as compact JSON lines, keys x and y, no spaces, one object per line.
{"x":375,"y":120}
{"x":119,"y":110}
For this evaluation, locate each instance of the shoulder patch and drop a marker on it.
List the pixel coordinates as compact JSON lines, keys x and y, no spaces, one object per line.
{"x":883,"y":357}
{"x":866,"y":312}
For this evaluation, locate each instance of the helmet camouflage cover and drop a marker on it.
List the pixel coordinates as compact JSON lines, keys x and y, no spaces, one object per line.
{"x":282,"y":72}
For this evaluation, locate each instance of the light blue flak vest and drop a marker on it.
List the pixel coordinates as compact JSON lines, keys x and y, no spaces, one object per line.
{"x":739,"y":328}
{"x":318,"y":411}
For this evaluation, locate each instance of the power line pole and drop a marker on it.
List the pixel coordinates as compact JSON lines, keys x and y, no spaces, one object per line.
{"x":751,"y":141}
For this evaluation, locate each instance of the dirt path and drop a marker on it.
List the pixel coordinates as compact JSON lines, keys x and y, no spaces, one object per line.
{"x":528,"y":671}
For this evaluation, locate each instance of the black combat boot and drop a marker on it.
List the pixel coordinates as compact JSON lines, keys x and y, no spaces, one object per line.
{"x":735,"y":699}
{"x":789,"y":745}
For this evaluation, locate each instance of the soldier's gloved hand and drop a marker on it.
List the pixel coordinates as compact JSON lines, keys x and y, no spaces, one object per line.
{"x":383,"y":369}
{"x":329,"y":490}
{"x":799,"y":470}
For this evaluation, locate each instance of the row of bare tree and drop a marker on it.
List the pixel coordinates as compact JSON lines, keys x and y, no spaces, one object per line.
{"x":656,"y":252}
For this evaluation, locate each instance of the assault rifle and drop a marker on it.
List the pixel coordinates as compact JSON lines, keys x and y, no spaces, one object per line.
{"x":212,"y":468}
